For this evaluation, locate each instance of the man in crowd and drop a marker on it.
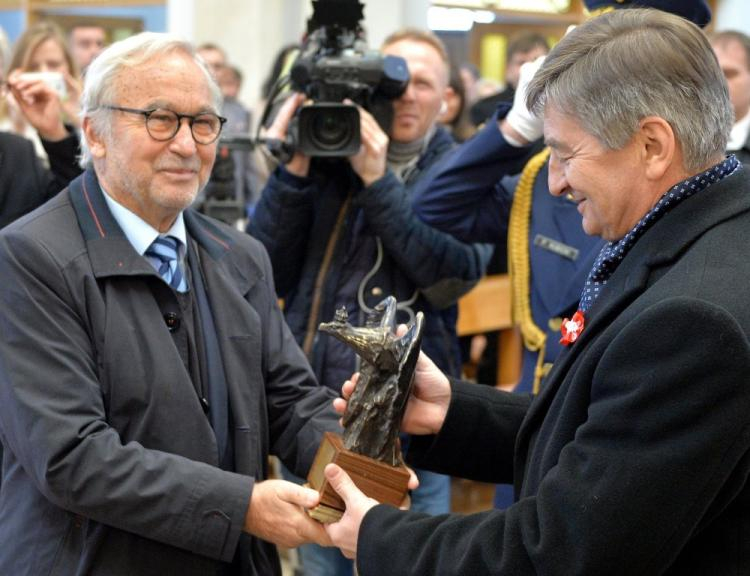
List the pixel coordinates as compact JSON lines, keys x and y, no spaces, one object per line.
{"x":86,"y":41}
{"x":343,"y":233}
{"x":146,"y":371}
{"x":525,"y":48}
{"x":732,"y":49}
{"x":635,"y":457}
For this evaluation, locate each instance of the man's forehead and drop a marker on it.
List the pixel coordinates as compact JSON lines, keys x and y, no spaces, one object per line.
{"x":560,"y":128}
{"x":418,"y":52}
{"x":88,"y":31}
{"x":158,"y":80}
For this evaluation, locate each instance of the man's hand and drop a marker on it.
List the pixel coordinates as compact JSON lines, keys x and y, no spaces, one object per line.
{"x":277,"y":514}
{"x":299,"y":165}
{"x":520,"y":125}
{"x":345,"y":533}
{"x":39,"y":104}
{"x":427,"y":405}
{"x":369,"y":163}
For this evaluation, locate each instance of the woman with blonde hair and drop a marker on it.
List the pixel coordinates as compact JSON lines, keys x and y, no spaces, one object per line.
{"x":43,"y":81}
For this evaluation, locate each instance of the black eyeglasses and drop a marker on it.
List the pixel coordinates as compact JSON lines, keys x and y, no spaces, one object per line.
{"x":163,"y":124}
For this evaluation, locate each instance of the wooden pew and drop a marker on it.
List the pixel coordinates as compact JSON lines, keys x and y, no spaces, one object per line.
{"x":485,"y":309}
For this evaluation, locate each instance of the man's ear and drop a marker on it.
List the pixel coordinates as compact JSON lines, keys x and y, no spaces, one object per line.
{"x":96,"y":143}
{"x":658,"y":146}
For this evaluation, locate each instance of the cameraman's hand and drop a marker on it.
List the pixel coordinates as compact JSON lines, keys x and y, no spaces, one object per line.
{"x":39,"y":105}
{"x":299,"y":165}
{"x":370,"y":162}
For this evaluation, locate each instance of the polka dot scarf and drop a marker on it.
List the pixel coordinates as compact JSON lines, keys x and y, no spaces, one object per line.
{"x":614,"y":252}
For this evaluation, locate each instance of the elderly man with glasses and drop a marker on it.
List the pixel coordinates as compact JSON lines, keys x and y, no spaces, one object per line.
{"x":146,"y":372}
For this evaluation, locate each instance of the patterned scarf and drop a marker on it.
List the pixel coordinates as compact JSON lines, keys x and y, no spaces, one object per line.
{"x":614,"y":252}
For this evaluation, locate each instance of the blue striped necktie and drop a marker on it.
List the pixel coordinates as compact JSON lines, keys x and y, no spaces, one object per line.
{"x":163,"y":255}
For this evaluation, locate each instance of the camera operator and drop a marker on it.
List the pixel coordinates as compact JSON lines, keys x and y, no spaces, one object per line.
{"x":343,"y":233}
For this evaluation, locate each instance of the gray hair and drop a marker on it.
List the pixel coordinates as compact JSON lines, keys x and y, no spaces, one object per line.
{"x":100,"y":83}
{"x":620,"y":67}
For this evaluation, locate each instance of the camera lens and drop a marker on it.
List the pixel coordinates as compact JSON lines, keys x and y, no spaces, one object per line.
{"x":330,"y":131}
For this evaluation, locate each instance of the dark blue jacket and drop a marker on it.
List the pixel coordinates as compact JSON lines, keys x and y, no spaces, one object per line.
{"x":471,"y":197}
{"x":382,"y":249}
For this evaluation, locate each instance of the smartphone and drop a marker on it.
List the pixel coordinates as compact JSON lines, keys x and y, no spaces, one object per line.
{"x":54,"y":80}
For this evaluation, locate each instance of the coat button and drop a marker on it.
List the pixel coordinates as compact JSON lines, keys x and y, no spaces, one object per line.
{"x":172,"y":321}
{"x":376,"y":291}
{"x":205,"y":405}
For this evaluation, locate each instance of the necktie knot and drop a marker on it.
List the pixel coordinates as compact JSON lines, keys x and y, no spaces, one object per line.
{"x":164,"y":256}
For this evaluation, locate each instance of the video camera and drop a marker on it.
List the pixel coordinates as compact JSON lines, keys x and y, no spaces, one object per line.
{"x":334,"y":64}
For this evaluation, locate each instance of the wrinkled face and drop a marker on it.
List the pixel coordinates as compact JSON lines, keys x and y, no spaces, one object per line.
{"x":513,"y":67}
{"x":86,"y":43}
{"x":156,"y":180}
{"x":417,"y":109}
{"x":48,"y":57}
{"x":736,"y":68}
{"x":607,"y":185}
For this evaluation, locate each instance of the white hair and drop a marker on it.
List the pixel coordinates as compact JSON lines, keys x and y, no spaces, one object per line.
{"x":100,"y":83}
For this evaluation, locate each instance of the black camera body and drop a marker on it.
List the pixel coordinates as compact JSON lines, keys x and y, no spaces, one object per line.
{"x":334,"y":65}
{"x":221,"y":199}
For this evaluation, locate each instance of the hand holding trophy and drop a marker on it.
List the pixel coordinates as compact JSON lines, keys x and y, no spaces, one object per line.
{"x":369,"y":450}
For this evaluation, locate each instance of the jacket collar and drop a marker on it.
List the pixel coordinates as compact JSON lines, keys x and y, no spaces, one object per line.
{"x":660,"y":246}
{"x":110,"y":251}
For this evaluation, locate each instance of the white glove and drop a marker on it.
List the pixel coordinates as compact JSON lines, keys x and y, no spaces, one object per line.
{"x":520,"y":118}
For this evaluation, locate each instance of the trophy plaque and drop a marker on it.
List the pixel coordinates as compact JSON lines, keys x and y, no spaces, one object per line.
{"x":369,"y":450}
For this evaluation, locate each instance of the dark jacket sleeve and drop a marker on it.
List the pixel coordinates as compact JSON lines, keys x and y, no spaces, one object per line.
{"x":282,"y":222}
{"x":299,"y":409}
{"x":63,"y":162}
{"x":662,"y":452}
{"x":443,"y":267}
{"x":461,"y":448}
{"x":465,"y":196}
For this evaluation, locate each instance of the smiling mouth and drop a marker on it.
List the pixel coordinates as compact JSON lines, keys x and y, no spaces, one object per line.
{"x":180,"y":172}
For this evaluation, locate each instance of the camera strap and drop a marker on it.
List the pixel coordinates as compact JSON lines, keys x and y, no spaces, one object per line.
{"x":313,"y":319}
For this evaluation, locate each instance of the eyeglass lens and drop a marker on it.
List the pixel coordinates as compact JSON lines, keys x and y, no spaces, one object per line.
{"x":164,"y":124}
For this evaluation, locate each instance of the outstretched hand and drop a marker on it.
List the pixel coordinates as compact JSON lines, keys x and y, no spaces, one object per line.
{"x":428,"y":402}
{"x":277,"y":514}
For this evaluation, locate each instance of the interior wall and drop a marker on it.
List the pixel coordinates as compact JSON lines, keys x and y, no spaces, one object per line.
{"x":252,"y":31}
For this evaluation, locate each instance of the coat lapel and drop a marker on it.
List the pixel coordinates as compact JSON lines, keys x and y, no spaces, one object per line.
{"x":659,"y":247}
{"x":109,"y":250}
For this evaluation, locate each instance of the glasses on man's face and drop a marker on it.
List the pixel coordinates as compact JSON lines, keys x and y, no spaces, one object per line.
{"x":163,"y":124}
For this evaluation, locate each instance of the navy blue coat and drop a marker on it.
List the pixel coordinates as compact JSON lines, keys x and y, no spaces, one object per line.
{"x":382,"y":249}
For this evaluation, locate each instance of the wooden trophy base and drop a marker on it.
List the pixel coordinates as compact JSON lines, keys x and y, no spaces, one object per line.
{"x":385,"y":483}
